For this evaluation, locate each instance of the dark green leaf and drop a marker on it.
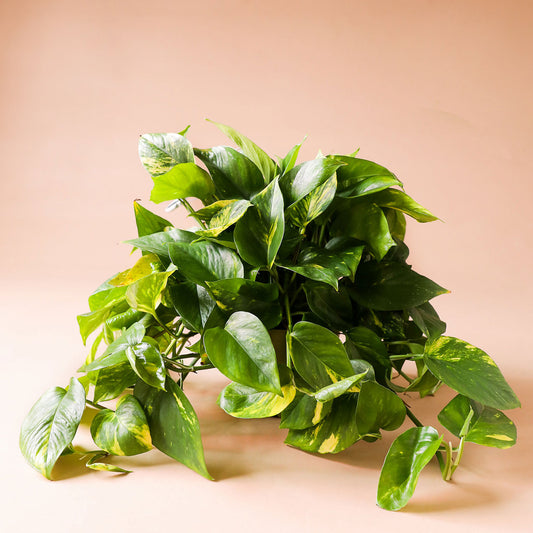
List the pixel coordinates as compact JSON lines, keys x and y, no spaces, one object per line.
{"x":241,"y":401}
{"x":397,"y":223}
{"x":392,"y":286}
{"x":50,"y":426}
{"x":157,"y":243}
{"x":234,"y":174}
{"x":288,"y":162}
{"x":407,"y":456}
{"x":400,"y":201}
{"x":243,"y":352}
{"x":359,"y":177}
{"x":193,"y":303}
{"x":159,"y":152}
{"x":259,"y":233}
{"x":123,"y":432}
{"x":182,"y":181}
{"x":378,"y":408}
{"x":488,"y":426}
{"x":251,"y":150}
{"x":238,"y":294}
{"x":205,"y":261}
{"x":469,"y":371}
{"x":173,"y":424}
{"x":334,"y":433}
{"x":303,"y":412}
{"x":333,"y":307}
{"x":427,"y":319}
{"x":318,"y":355}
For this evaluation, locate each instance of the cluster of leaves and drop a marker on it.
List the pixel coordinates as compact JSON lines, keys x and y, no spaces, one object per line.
{"x":315,"y":250}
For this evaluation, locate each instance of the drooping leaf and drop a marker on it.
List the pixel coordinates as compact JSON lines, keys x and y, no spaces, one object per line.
{"x":205,"y":261}
{"x":395,"y":199}
{"x":174,"y":426}
{"x":259,"y":233}
{"x":488,"y":426}
{"x":148,"y":222}
{"x":358,"y":177}
{"x":304,"y":411}
{"x":336,"y":432}
{"x":378,"y":408}
{"x":225,"y":218}
{"x":469,"y":371}
{"x":50,"y":426}
{"x":330,"y":392}
{"x":234,"y":174}
{"x":241,"y":401}
{"x":94,"y":464}
{"x":182,"y":181}
{"x":157,"y":243}
{"x":318,"y":355}
{"x":124,"y":431}
{"x":407,"y":456}
{"x":243,"y":352}
{"x":159,"y":152}
{"x":390,"y":286}
{"x":238,"y":294}
{"x":312,"y":205}
{"x":397,"y":223}
{"x":193,"y":304}
{"x":364,"y":220}
{"x":147,"y":363}
{"x":145,"y":294}
{"x":251,"y":150}
{"x":111,"y":382}
{"x":427,"y":319}
{"x":331,"y":306}
{"x":306,"y":177}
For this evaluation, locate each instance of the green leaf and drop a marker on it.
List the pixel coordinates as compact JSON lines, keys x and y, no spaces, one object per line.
{"x":400,"y":201}
{"x":233,"y":173}
{"x":288,"y":162}
{"x":193,"y":304}
{"x":306,"y":177}
{"x":348,"y":251}
{"x":147,"y":363}
{"x":378,"y":408}
{"x":365,"y":221}
{"x":318,"y":355}
{"x":469,"y":371}
{"x":303,"y":412}
{"x":488,"y":426}
{"x":238,"y":294}
{"x":359,"y":177}
{"x":427,"y":319}
{"x":104,"y":467}
{"x":123,"y":432}
{"x":407,"y":456}
{"x":259,"y":233}
{"x":397,"y":223}
{"x":243,"y":352}
{"x":145,"y":265}
{"x":157,"y":243}
{"x":89,"y":322}
{"x":159,"y":152}
{"x":148,"y":222}
{"x":313,"y":205}
{"x":116,"y":351}
{"x":145,"y":294}
{"x":174,"y":426}
{"x":182,"y":181}
{"x":333,"y":307}
{"x":50,"y":426}
{"x":330,"y":392}
{"x":111,"y":382}
{"x":326,"y":265}
{"x":251,"y":150}
{"x":209,"y":211}
{"x":241,"y":401}
{"x":334,"y":433}
{"x":204,"y":261}
{"x":225,"y":218}
{"x":392,"y":286}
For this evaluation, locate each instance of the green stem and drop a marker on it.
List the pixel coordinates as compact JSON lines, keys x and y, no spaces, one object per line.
{"x":165,"y":327}
{"x":458,"y":457}
{"x":447,"y":471}
{"x":192,"y":212}
{"x":94,"y":404}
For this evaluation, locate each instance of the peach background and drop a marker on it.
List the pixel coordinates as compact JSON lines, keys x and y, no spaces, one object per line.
{"x":440,"y":92}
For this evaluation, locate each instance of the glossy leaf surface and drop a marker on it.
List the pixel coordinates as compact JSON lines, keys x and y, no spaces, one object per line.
{"x":407,"y":456}
{"x":225,"y":218}
{"x":469,"y":371}
{"x":111,"y":382}
{"x":330,"y":392}
{"x":304,"y":411}
{"x":333,"y":307}
{"x":145,"y":295}
{"x":157,"y":243}
{"x":159,"y":152}
{"x":148,"y":222}
{"x":50,"y":426}
{"x":193,"y":303}
{"x":124,"y":431}
{"x":147,"y":363}
{"x":243,"y":352}
{"x":395,"y":199}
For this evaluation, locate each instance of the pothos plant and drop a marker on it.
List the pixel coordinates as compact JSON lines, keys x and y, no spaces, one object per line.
{"x":312,"y":252}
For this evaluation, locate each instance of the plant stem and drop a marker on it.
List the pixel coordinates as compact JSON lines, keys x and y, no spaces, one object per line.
{"x":192,"y":212}
{"x":94,"y":404}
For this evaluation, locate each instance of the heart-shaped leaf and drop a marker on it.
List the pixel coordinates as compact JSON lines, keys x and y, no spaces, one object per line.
{"x":159,"y":152}
{"x":148,"y":222}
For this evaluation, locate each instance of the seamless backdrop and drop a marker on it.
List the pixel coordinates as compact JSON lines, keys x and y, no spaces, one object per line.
{"x":437,"y":91}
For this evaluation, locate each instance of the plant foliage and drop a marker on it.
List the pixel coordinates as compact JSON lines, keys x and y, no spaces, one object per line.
{"x":315,"y":250}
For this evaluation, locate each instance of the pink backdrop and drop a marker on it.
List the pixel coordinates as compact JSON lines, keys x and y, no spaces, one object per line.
{"x":437,"y":91}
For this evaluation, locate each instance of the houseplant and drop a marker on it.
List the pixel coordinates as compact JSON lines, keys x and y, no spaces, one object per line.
{"x":312,"y":252}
